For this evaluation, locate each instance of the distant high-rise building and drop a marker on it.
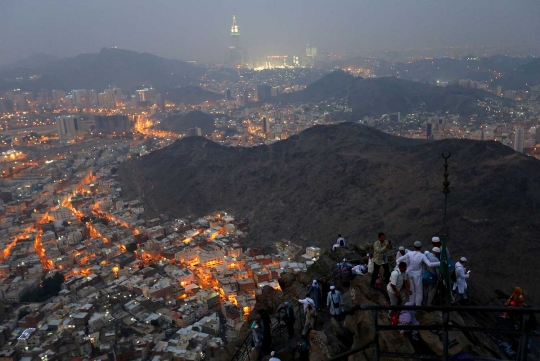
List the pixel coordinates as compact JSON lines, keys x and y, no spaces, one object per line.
{"x":235,"y":55}
{"x":519,"y":138}
{"x":68,"y":128}
{"x":429,"y":130}
{"x":266,"y":126}
{"x":264,"y":93}
{"x":245,"y":98}
{"x":114,"y":124}
{"x":228,"y":93}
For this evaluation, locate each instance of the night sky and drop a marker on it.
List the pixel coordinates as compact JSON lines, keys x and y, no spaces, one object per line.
{"x":199,"y":29}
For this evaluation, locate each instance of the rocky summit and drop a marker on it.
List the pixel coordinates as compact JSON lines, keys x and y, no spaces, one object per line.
{"x":357,"y":181}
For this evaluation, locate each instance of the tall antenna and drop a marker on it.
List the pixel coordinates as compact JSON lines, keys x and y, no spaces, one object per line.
{"x":444,"y":253}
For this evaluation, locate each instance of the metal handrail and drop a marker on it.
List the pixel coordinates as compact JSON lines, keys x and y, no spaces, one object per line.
{"x":243,"y":350}
{"x":525,"y":331}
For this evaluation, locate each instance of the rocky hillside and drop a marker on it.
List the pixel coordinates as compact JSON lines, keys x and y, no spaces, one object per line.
{"x":357,"y":181}
{"x":377,"y":96}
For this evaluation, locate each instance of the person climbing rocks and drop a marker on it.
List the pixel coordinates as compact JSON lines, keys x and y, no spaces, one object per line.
{"x":289,"y":318}
{"x":380,"y":258}
{"x":406,"y":318}
{"x":515,"y":300}
{"x":311,"y":316}
{"x":398,"y":288}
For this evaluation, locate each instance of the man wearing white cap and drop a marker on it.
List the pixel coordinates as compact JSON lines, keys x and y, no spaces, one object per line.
{"x":461,"y":280}
{"x":273,"y":357}
{"x":398,"y":288}
{"x":402,"y":251}
{"x":436,"y":242}
{"x":415,"y":270}
{"x":430,"y":288}
{"x":306,"y":301}
{"x":334,"y":301}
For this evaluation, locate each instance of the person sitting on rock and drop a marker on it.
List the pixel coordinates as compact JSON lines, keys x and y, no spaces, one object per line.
{"x":406,"y":318}
{"x":516,"y":300}
{"x":339,"y":243}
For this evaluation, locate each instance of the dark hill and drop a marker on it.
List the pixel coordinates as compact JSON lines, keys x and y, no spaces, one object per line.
{"x":122,"y":68}
{"x":523,"y":77}
{"x":358,"y":181}
{"x":327,"y":87}
{"x":191,"y":94}
{"x":377,"y":96}
{"x":181,"y":123}
{"x":32,"y":62}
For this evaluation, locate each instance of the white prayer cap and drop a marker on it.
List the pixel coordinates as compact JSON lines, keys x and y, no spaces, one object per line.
{"x":418,"y":244}
{"x":332,"y":287}
{"x":436,"y":249}
{"x":287,"y":303}
{"x":436,"y":240}
{"x":272,"y":353}
{"x":344,"y":259}
{"x":401,"y":248}
{"x":314,"y":282}
{"x":463,"y":259}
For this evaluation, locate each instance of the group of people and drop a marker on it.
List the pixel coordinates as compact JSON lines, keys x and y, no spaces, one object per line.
{"x":417,"y":273}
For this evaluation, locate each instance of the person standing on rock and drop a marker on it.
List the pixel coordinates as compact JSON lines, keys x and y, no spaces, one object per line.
{"x":399,"y":288}
{"x":436,"y":242}
{"x":289,"y":318}
{"x":257,"y":343}
{"x":430,"y":287}
{"x":380,"y":258}
{"x":325,"y":286}
{"x":402,"y":251}
{"x":416,"y":261}
{"x":339,"y":243}
{"x":315,"y":293}
{"x":334,"y":302}
{"x":460,"y":286}
{"x":311,"y":316}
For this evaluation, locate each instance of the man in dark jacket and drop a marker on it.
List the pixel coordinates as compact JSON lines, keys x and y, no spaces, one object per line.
{"x":289,"y":318}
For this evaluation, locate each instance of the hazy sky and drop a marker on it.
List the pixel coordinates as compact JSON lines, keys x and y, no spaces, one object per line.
{"x":199,"y":29}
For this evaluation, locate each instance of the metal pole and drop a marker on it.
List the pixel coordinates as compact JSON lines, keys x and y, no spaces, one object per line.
{"x":446,"y":318}
{"x":524,"y":339}
{"x":444,"y":254}
{"x":375,"y":336}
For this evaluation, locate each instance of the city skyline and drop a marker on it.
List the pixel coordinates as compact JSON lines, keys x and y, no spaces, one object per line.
{"x":199,"y":31}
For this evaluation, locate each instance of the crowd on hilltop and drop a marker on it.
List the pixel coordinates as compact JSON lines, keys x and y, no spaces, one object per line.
{"x":415,"y":279}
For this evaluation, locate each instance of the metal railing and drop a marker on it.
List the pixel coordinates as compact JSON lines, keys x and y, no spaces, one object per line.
{"x":244,"y":350}
{"x":524,"y":331}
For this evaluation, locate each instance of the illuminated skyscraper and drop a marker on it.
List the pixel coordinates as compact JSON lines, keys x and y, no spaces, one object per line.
{"x":235,"y":55}
{"x":68,"y":128}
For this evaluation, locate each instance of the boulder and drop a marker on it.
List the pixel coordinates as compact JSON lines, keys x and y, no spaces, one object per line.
{"x":319,"y":346}
{"x":343,"y":335}
{"x":287,"y":279}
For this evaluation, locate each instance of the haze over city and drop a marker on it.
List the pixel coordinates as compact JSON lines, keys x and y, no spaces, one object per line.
{"x":197,"y":30}
{"x":274,"y":181}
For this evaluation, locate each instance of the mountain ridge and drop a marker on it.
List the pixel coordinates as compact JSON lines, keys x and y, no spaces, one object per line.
{"x":357,"y":181}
